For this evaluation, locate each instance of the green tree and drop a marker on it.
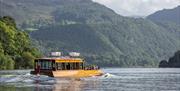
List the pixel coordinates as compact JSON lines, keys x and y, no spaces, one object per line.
{"x":28,"y":59}
{"x":16,"y":49}
{"x":6,"y":62}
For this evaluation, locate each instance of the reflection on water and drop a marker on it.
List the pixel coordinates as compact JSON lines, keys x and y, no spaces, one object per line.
{"x":75,"y":85}
{"x":115,"y":79}
{"x":57,"y":85}
{"x":72,"y":85}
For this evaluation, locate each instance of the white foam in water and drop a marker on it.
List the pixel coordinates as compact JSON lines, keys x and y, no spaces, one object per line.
{"x":108,"y":75}
{"x":25,"y":78}
{"x":18,"y":78}
{"x":104,"y":76}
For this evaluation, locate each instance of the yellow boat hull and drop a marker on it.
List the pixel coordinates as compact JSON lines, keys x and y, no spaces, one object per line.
{"x":71,"y":73}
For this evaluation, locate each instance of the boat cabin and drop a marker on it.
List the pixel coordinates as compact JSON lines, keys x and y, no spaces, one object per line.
{"x":59,"y":64}
{"x":64,"y":66}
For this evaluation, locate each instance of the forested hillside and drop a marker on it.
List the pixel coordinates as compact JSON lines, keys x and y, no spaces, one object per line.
{"x":101,"y":35}
{"x":166,"y":15}
{"x":16,"y":50}
{"x":169,"y":19}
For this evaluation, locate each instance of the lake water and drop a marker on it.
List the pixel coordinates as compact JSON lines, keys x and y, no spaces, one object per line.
{"x":114,"y":79}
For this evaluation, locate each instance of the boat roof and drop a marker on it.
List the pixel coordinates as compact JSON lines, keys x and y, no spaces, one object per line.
{"x":62,"y":59}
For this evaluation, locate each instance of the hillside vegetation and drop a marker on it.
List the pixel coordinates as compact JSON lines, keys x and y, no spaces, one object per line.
{"x":170,"y":19}
{"x":101,"y":35}
{"x":16,"y":50}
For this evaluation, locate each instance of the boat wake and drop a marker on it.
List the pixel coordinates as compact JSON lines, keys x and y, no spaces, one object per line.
{"x":28,"y":80}
{"x":108,"y":75}
{"x":25,"y":79}
{"x":104,"y":76}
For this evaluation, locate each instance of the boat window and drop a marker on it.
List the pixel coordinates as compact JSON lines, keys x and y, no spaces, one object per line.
{"x":63,"y":66}
{"x":69,"y":66}
{"x":74,"y":66}
{"x":59,"y":66}
{"x":77,"y":65}
{"x":44,"y":64}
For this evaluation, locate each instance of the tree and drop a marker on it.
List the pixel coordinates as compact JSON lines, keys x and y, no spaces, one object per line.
{"x":28,"y":59}
{"x":16,"y":49}
{"x":175,"y":60}
{"x":9,"y":20}
{"x":6,"y":62}
{"x":163,"y":64}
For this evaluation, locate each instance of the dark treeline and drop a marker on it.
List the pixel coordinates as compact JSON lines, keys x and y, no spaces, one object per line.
{"x":173,"y":62}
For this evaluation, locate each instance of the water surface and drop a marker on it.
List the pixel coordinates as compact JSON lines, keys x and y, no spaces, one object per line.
{"x":114,"y":79}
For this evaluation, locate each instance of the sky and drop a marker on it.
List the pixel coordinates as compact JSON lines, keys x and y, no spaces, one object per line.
{"x":138,"y":7}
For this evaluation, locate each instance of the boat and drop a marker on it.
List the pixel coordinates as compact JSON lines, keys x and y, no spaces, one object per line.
{"x":68,"y":66}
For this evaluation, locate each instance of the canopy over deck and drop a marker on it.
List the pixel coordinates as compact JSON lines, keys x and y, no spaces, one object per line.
{"x":63,"y":59}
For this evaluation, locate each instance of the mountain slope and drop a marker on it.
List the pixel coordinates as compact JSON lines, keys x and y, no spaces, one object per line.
{"x":170,"y":20}
{"x":96,"y":31}
{"x":166,"y":15}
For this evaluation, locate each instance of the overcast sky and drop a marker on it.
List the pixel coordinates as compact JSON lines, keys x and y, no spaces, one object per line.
{"x":138,"y":7}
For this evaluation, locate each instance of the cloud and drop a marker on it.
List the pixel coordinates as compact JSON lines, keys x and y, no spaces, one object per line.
{"x":138,"y":7}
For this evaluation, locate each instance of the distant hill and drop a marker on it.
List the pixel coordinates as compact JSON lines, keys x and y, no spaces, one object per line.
{"x":101,"y":35}
{"x":169,"y":19}
{"x":166,"y":15}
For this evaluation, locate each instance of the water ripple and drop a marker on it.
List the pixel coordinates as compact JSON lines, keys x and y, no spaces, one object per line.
{"x":114,"y":79}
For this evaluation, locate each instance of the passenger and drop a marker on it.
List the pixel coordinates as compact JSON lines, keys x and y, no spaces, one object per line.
{"x":95,"y":67}
{"x":98,"y":67}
